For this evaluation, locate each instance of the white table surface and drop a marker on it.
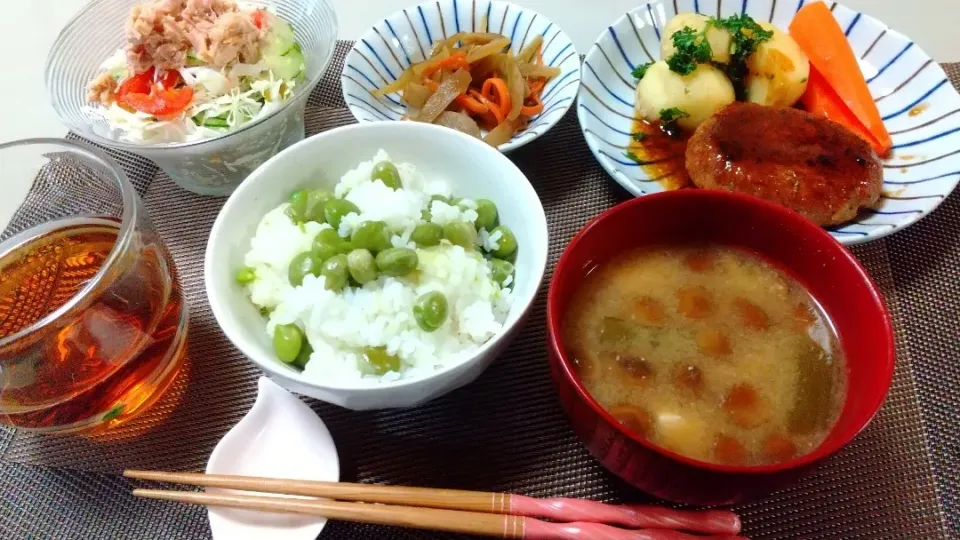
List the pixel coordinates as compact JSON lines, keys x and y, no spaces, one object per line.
{"x":28,"y":28}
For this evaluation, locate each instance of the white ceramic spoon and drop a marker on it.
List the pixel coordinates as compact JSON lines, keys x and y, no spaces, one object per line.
{"x":281,"y":437}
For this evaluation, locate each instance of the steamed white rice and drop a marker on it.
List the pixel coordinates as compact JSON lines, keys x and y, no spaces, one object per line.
{"x":339,"y":325}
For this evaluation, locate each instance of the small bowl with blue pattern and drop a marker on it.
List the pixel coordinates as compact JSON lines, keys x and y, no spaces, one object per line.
{"x":406,"y":37}
{"x":917,"y":103}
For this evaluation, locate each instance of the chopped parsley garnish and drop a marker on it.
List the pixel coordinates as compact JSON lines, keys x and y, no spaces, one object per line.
{"x":672,"y":114}
{"x":745,"y":36}
{"x":692,"y":49}
{"x":633,"y":157}
{"x":668,"y":120}
{"x":641,"y":70}
{"x":639,"y":136}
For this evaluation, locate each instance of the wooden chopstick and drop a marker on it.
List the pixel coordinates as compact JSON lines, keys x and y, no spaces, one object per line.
{"x":559,"y":509}
{"x":404,"y":516}
{"x":496,"y":525}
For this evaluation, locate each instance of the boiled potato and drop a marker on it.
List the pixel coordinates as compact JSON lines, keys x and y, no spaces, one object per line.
{"x":718,"y":38}
{"x":778,"y":71}
{"x":699,"y":94}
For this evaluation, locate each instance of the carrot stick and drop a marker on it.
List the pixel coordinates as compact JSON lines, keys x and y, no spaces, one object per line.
{"x":453,"y":62}
{"x":531,"y":110}
{"x":821,"y":99}
{"x":495,"y":85}
{"x":497,"y":113}
{"x":536,"y":86}
{"x":470,"y":104}
{"x":819,"y":35}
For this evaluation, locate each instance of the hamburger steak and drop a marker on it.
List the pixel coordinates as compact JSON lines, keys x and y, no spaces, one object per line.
{"x":786,"y":156}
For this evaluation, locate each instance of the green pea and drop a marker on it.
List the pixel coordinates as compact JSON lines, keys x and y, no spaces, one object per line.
{"x":304,"y":356}
{"x":298,"y":206}
{"x":486,"y":214}
{"x":377,"y":361}
{"x":460,"y":234}
{"x":246,"y":275}
{"x":430,"y":310}
{"x":362,"y":266}
{"x":316,"y":200}
{"x":334,"y":210}
{"x":500,"y":270}
{"x":324,"y":250}
{"x":346,"y":247}
{"x":371,"y":235}
{"x":507,"y":243}
{"x":427,"y":234}
{"x":328,"y":236}
{"x":335,"y":271}
{"x":287,"y":342}
{"x":397,"y":262}
{"x":387,"y":173}
{"x":301,"y":265}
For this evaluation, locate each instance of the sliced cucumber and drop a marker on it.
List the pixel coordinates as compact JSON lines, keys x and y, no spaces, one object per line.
{"x":216,"y":122}
{"x":287,"y":66}
{"x":211,"y":122}
{"x":279,"y":38}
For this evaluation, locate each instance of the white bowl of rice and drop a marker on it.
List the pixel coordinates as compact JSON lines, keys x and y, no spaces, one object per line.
{"x":361,"y":342}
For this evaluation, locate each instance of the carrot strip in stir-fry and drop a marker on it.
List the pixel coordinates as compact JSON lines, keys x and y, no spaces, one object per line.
{"x":502,"y":97}
{"x":476,"y":78}
{"x":532,"y":110}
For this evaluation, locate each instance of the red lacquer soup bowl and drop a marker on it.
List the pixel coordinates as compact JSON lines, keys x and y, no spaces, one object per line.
{"x":828,"y":271}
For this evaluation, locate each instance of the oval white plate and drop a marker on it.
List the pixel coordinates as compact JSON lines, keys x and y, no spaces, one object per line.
{"x":280,"y":437}
{"x":384,"y":51}
{"x":925,"y":163}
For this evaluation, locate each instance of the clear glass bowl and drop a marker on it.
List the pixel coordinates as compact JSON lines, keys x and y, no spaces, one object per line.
{"x":211,"y":166}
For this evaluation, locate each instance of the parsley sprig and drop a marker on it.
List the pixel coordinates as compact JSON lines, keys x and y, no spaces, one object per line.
{"x":668,"y":120}
{"x":692,"y":49}
{"x":641,"y":70}
{"x":745,"y":36}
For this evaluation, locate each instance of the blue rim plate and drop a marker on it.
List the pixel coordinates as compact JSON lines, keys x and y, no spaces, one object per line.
{"x":919,"y":106}
{"x":405,"y":37}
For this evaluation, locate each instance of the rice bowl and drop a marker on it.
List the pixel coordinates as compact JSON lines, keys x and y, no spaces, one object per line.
{"x":472,"y":170}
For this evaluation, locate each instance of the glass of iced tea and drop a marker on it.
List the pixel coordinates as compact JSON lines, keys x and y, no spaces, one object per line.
{"x":93,"y":323}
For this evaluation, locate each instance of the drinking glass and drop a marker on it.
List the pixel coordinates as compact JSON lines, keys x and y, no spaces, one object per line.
{"x":93,"y":322}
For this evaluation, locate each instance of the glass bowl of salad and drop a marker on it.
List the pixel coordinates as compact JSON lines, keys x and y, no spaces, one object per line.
{"x":206,"y":89}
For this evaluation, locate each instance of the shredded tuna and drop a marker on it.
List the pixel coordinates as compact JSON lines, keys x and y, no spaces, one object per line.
{"x":102,"y":89}
{"x":233,"y":38}
{"x":161,"y":32}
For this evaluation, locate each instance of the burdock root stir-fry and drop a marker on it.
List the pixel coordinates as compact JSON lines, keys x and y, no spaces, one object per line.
{"x":473,"y":82}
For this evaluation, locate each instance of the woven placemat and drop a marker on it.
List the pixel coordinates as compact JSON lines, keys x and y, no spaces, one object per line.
{"x":898,"y":479}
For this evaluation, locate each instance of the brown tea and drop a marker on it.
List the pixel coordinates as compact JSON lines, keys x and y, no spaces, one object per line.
{"x":112,"y":351}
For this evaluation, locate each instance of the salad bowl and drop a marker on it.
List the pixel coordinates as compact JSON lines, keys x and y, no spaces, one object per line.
{"x":209,"y":166}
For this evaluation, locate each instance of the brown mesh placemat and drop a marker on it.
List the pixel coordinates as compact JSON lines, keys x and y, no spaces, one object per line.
{"x":898,"y":479}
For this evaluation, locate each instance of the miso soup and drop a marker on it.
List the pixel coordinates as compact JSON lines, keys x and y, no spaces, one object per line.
{"x":708,"y":351}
